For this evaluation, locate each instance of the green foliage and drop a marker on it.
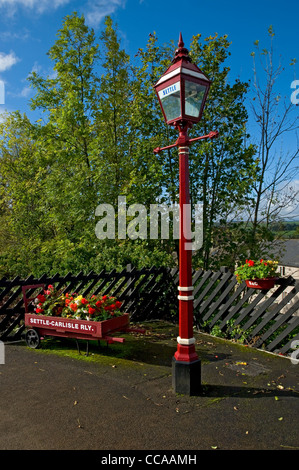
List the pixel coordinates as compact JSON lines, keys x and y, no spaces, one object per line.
{"x":231,"y":332}
{"x":101,"y":122}
{"x":222,"y":171}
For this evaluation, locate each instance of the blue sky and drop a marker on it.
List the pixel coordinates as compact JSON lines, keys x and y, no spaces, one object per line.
{"x":28,"y":29}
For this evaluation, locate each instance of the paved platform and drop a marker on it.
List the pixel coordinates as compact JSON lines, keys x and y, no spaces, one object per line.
{"x":121,"y":398}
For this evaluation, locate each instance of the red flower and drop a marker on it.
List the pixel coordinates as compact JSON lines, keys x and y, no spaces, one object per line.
{"x":74,"y":307}
{"x":41,"y":298}
{"x":91,"y":310}
{"x":39,"y":310}
{"x":84,"y":301}
{"x":118,"y":304}
{"x":99,"y":303}
{"x":251,"y":263}
{"x":50,"y":287}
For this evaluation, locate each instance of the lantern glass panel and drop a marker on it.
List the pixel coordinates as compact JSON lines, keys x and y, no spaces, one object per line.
{"x":194,"y":94}
{"x":171,"y":101}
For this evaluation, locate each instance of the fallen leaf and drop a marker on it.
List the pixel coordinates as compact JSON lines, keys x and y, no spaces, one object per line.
{"x":75,"y":403}
{"x":289,"y":447}
{"x":280,"y":419}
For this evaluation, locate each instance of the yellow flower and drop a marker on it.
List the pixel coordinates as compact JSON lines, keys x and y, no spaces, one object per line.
{"x":78,"y":299}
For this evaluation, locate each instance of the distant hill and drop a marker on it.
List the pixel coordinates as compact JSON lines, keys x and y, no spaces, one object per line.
{"x":286,"y":229}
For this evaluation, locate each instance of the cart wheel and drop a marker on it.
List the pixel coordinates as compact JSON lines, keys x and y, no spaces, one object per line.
{"x":32,"y":339}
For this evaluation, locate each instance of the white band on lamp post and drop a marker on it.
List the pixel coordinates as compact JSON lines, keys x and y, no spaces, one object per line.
{"x":185,"y":289}
{"x":185,"y":341}
{"x":185,"y":297}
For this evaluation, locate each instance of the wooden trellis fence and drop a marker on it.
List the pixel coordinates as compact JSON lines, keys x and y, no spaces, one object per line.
{"x":268,"y":320}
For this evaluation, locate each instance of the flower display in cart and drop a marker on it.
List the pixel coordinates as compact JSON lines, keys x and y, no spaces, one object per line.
{"x":49,"y":303}
{"x":261,"y":269}
{"x":94,"y":307}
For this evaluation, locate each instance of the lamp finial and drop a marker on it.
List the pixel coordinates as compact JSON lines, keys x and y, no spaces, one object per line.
{"x":181,"y":52}
{"x":181,"y":42}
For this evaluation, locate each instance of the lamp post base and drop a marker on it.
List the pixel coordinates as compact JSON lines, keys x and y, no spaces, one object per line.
{"x":186,"y":377}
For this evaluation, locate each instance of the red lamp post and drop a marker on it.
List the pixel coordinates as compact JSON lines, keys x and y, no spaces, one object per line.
{"x":182,"y":92}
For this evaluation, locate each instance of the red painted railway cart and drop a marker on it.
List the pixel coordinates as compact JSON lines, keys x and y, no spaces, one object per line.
{"x":39,"y":326}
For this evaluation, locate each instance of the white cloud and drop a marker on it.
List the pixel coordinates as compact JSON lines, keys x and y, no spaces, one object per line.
{"x":95,"y":11}
{"x":14,"y":35}
{"x":24,"y":93}
{"x":11,"y":6}
{"x":7,"y":61}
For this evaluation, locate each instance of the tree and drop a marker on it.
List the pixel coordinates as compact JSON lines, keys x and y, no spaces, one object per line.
{"x":89,"y":135}
{"x":69,"y":101}
{"x":273,"y":191}
{"x":101,"y":123}
{"x":222,"y":171}
{"x":23,"y":230}
{"x":113,"y":128}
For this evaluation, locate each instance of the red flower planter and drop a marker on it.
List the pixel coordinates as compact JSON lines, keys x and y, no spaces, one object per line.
{"x":263,"y":284}
{"x":42,"y":325}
